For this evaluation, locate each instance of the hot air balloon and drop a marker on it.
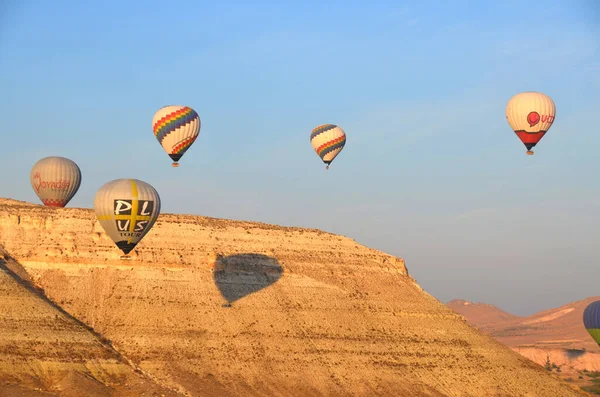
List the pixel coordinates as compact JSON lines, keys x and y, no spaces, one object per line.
{"x":328,"y":140}
{"x":176,"y":128}
{"x":126,"y":210}
{"x":591,"y":320}
{"x":55,"y":180}
{"x":530,"y":115}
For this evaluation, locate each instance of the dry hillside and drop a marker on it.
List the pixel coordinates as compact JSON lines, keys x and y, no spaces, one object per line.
{"x":212,"y":307}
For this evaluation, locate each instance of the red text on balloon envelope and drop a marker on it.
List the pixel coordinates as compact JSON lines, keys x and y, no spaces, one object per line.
{"x":54,"y":185}
{"x":547,"y":119}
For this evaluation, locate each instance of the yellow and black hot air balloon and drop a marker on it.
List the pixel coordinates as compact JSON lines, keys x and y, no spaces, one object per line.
{"x":127,"y":210}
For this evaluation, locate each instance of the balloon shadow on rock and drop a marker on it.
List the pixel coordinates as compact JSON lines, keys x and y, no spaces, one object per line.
{"x":240,"y":275}
{"x":574,"y":354}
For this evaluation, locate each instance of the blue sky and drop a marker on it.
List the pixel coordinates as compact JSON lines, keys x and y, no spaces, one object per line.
{"x":431,"y":171}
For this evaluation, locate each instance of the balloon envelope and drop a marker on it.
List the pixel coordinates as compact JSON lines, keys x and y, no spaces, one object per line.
{"x":176,"y":128}
{"x":55,"y":180}
{"x":591,"y":320}
{"x":127,"y":210}
{"x":328,"y":140}
{"x":530,"y":115}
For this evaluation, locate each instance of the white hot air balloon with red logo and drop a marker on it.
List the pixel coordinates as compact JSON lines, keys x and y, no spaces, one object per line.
{"x":55,"y":180}
{"x":530,"y":115}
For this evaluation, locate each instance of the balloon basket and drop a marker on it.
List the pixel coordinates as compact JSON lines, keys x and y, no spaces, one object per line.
{"x":530,"y":153}
{"x":125,"y":258}
{"x":175,"y":165}
{"x":326,"y":168}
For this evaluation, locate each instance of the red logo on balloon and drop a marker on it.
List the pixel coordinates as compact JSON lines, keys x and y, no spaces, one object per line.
{"x":533,"y":118}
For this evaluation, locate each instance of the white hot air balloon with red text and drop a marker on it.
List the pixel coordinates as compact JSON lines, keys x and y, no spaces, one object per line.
{"x":55,"y":180}
{"x":530,"y":115}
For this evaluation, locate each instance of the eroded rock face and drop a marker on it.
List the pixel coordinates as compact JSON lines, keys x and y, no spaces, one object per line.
{"x":225,"y":308}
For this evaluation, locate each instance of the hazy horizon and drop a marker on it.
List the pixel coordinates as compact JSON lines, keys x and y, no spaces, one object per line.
{"x":431,"y":171}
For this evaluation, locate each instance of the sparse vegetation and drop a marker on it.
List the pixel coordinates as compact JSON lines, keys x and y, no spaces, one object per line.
{"x":548,"y":365}
{"x":594,"y":376}
{"x":593,"y":389}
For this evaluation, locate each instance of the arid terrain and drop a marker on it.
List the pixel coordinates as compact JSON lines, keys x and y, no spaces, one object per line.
{"x":555,"y":337}
{"x":210,"y":307}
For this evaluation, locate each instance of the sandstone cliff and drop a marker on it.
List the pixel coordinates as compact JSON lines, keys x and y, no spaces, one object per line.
{"x":212,"y":307}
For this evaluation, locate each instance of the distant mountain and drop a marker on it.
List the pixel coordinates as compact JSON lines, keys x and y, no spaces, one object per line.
{"x":480,"y":314}
{"x":553,"y":328}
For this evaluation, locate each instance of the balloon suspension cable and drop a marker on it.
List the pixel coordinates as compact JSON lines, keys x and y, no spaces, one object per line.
{"x":530,"y":152}
{"x":175,"y":165}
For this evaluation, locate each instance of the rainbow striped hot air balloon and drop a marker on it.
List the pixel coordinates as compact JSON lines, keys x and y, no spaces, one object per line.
{"x":591,"y":320}
{"x":176,"y":128}
{"x":328,"y":140}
